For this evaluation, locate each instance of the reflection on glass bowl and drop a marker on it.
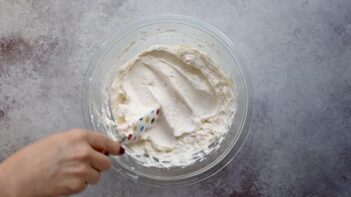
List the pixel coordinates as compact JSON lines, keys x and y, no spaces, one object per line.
{"x":140,"y":36}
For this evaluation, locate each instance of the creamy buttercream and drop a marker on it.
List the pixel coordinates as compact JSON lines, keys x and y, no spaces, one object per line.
{"x":196,"y":98}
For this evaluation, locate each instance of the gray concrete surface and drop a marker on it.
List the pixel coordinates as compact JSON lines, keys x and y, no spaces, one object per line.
{"x":298,"y":54}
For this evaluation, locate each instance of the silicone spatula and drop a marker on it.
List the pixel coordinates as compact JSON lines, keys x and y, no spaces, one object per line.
{"x":142,"y":125}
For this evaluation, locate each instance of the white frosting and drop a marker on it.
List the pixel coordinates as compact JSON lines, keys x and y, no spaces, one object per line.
{"x":196,"y":98}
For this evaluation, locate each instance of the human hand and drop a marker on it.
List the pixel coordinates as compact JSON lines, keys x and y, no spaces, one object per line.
{"x":61,"y":164}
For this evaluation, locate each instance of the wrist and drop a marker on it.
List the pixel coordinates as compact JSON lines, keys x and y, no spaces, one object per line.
{"x":8,"y":186}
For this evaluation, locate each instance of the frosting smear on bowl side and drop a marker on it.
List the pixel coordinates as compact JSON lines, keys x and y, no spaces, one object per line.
{"x":195,"y":96}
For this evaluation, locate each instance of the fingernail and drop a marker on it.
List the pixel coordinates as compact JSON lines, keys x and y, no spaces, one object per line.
{"x":121,"y":150}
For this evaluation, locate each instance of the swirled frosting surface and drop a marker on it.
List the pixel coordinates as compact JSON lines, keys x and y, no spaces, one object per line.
{"x":196,"y":98}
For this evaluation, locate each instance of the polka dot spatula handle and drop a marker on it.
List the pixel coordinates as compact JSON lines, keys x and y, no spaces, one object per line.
{"x":142,"y":125}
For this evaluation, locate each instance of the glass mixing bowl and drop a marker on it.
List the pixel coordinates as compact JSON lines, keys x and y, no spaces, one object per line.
{"x":139,"y":36}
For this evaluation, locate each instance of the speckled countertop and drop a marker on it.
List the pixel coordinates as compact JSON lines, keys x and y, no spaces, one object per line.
{"x":298,"y":54}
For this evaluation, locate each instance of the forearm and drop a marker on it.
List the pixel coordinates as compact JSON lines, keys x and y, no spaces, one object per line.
{"x":7,"y":185}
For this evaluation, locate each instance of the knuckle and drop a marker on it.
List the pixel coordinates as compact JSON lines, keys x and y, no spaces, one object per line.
{"x":81,"y":171}
{"x":80,"y":134}
{"x":80,"y":186}
{"x":75,"y":186}
{"x":107,"y":143}
{"x":86,"y":150}
{"x":84,"y":153}
{"x":108,"y":164}
{"x":69,"y":188}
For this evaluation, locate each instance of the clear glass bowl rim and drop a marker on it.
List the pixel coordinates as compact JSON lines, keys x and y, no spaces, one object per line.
{"x":224,"y":40}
